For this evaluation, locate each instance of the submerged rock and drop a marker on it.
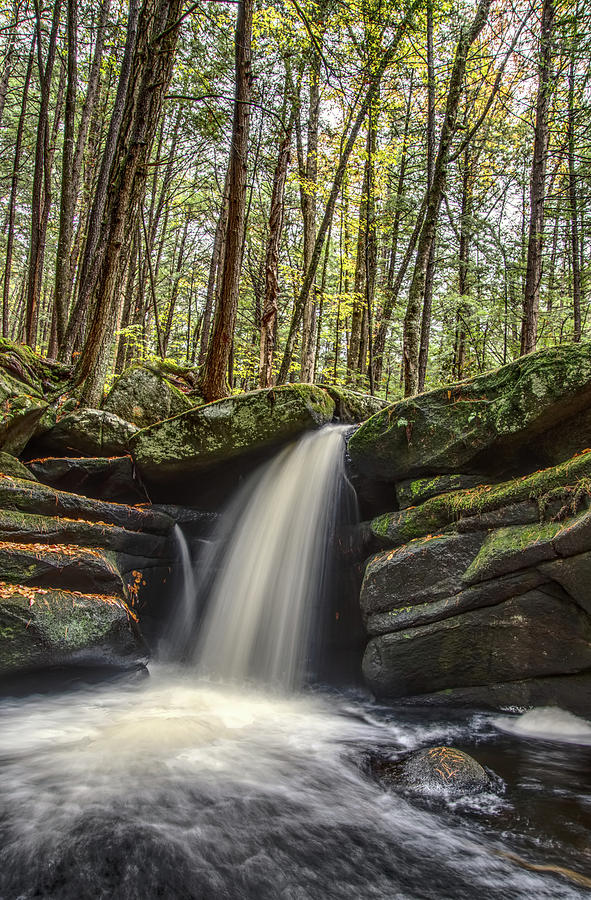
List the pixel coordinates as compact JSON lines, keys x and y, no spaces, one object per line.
{"x":145,"y":394}
{"x":444,"y":769}
{"x":227,"y":428}
{"x":479,"y":424}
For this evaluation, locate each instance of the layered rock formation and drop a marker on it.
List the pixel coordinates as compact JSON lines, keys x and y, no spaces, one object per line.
{"x":479,"y":592}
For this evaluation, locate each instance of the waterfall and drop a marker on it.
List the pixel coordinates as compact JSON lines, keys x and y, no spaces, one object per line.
{"x":264,"y":574}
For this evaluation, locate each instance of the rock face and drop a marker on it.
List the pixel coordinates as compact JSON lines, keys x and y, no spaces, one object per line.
{"x":110,"y":478}
{"x":228,"y":428}
{"x":147,"y":393}
{"x":352,"y":407}
{"x":479,"y":591}
{"x":89,"y":432}
{"x":478,"y":425}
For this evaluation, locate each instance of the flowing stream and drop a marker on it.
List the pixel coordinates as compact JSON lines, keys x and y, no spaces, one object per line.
{"x":210,"y":780}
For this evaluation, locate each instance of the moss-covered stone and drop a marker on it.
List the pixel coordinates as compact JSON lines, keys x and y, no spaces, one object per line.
{"x":352,"y":407}
{"x":473,"y":425}
{"x":567,"y":479}
{"x":10,"y":465}
{"x":509,"y":549}
{"x":44,"y":627}
{"x":31,"y":497}
{"x":64,"y":566}
{"x":89,"y":432}
{"x":144,"y":395}
{"x":227,"y":428}
{"x":412,"y":492}
{"x":540,"y":633}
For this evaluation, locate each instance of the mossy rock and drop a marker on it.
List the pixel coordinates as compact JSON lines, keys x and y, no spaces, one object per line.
{"x":21,"y":408}
{"x":352,"y":407}
{"x":89,"y":432}
{"x":508,"y":549}
{"x":41,"y":627}
{"x":228,"y":428}
{"x":144,"y":395}
{"x":538,"y":634}
{"x":477,"y":425}
{"x":550,"y":488}
{"x":64,"y":566}
{"x":10,"y":465}
{"x":413,"y":492}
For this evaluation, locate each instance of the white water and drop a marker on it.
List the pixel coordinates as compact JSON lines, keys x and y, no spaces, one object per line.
{"x":181,"y":789}
{"x":269,"y":574}
{"x":548,"y":723}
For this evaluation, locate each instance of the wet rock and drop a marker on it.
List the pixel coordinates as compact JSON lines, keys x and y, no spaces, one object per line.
{"x":228,"y":428}
{"x":540,"y":633}
{"x":42,"y":627}
{"x":419,"y":572}
{"x":88,"y":432}
{"x":477,"y":425}
{"x":145,"y":394}
{"x":413,"y":491}
{"x":10,"y":465}
{"x":111,"y":478}
{"x":443,"y":769}
{"x":31,"y":497}
{"x":83,"y":569}
{"x":352,"y":407}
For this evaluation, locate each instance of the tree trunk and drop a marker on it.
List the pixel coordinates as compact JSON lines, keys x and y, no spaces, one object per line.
{"x":308,"y":188}
{"x":214,"y":381}
{"x":412,"y":327}
{"x":151,"y":70}
{"x":463,"y":269}
{"x":431,"y":150}
{"x":92,"y":258}
{"x":339,"y":175}
{"x":533,"y":274}
{"x":574,"y":203}
{"x":18,"y":149}
{"x":68,"y":189}
{"x":391,"y":296}
{"x":41,"y":174}
{"x":269,"y":314}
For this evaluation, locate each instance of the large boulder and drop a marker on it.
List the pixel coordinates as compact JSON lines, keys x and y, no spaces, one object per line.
{"x":484,"y":589}
{"x":43,"y":627}
{"x":483,"y":424}
{"x":352,"y":407}
{"x":146,"y":393}
{"x":89,"y":432}
{"x":228,"y":428}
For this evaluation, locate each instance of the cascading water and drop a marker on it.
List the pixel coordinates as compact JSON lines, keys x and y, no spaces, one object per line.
{"x":264,"y":575}
{"x":179,"y":788}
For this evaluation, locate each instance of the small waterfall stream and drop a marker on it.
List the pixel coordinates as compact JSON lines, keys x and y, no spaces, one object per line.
{"x":263,"y":578}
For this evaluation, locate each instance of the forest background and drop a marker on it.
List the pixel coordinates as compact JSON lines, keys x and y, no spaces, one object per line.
{"x":385,"y":195}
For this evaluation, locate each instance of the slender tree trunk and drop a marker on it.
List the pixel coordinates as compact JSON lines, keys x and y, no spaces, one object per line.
{"x":63,"y":274}
{"x":431,"y":150}
{"x":353,"y":351}
{"x":40,"y":175}
{"x":463,"y":272}
{"x":533,"y":275}
{"x":412,"y":326}
{"x":214,"y":383}
{"x":391,"y":296}
{"x":574,"y":203}
{"x":18,"y":149}
{"x":175,"y":286}
{"x":92,"y":258}
{"x":276,"y":215}
{"x":151,"y":70}
{"x":308,"y":188}
{"x":339,"y":175}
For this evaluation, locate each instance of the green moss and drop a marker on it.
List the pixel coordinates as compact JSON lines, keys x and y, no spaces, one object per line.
{"x":570,"y":478}
{"x":529,"y":543}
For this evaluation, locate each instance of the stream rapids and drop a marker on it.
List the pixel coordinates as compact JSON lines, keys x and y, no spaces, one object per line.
{"x":178,"y":788}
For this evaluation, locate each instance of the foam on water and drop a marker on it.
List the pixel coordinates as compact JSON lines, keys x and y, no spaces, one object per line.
{"x":548,"y":723}
{"x":180,"y":788}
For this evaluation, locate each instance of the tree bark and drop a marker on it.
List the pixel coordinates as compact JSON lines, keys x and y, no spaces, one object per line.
{"x":151,"y":71}
{"x":574,"y":203}
{"x":412,"y":327}
{"x":537,"y":191}
{"x":214,"y":381}
{"x":308,"y":188}
{"x":431,"y":150}
{"x":18,"y":149}
{"x":269,"y":313}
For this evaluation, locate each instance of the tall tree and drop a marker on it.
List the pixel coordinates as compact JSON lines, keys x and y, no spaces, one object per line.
{"x":537,"y":189}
